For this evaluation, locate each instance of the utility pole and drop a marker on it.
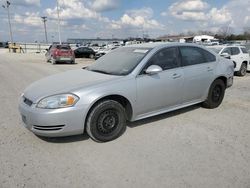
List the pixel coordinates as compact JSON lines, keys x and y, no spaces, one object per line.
{"x":58,"y":20}
{"x":44,"y":19}
{"x":7,"y":6}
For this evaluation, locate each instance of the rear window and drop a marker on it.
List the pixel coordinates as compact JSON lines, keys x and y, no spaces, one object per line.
{"x":244,"y":50}
{"x":63,"y":47}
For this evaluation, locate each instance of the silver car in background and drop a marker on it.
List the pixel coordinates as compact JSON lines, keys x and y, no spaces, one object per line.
{"x":127,"y":84}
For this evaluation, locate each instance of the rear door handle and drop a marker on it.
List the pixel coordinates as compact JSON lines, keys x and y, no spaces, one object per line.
{"x":175,"y":76}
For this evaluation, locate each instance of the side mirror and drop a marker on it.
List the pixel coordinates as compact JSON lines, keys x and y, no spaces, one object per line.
{"x":153,"y":69}
{"x":47,"y":49}
{"x":226,"y":55}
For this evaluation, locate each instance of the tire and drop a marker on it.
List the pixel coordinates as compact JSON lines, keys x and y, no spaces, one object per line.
{"x":91,"y":56}
{"x":53,"y":61}
{"x":215,"y":95}
{"x":73,"y":62}
{"x":243,"y":70}
{"x":106,"y":121}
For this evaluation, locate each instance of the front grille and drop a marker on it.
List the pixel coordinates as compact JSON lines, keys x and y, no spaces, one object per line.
{"x":27,"y":101}
{"x":48,"y":128}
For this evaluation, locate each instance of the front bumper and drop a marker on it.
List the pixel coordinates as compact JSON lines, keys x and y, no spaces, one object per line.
{"x":53,"y":122}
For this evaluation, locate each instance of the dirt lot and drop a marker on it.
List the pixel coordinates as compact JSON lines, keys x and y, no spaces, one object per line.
{"x":193,"y":147}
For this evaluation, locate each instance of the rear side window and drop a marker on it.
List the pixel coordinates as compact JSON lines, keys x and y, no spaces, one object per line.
{"x":235,"y":51}
{"x":244,"y":50}
{"x":209,"y":57}
{"x":192,"y":55}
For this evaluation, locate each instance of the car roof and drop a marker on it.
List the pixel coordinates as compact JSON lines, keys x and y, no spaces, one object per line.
{"x":162,"y":44}
{"x":226,"y":46}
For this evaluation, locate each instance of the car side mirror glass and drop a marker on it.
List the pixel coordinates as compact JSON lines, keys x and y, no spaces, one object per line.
{"x":153,"y":69}
{"x":226,"y":55}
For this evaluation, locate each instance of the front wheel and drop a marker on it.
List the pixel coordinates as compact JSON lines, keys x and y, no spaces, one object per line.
{"x":106,"y":121}
{"x":215,"y":95}
{"x":91,"y":56}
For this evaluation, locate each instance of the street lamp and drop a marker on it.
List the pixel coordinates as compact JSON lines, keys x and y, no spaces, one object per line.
{"x":7,"y":6}
{"x":44,"y":19}
{"x":58,"y":20}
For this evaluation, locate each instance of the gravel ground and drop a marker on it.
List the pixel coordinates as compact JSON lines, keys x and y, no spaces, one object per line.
{"x":192,"y":147}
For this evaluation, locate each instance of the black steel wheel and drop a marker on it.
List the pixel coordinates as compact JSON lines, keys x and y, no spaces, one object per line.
{"x":215,"y":95}
{"x":106,"y":121}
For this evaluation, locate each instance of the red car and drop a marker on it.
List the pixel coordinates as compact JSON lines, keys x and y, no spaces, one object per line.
{"x":60,"y":53}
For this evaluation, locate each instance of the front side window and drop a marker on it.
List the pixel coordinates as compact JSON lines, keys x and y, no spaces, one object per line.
{"x":192,"y":55}
{"x":167,"y":58}
{"x":235,"y":51}
{"x":227,"y":50}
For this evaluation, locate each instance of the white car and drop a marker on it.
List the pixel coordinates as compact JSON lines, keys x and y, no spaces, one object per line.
{"x":238,"y":54}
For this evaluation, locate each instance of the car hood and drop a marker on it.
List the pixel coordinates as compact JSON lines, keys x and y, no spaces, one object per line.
{"x":65,"y":83}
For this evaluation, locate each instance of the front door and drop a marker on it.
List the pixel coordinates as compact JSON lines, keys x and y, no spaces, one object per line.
{"x":162,"y":90}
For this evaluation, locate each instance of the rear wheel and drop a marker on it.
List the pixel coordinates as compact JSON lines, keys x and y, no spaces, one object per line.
{"x":243,"y":70}
{"x":53,"y":61}
{"x":215,"y":95}
{"x":106,"y":121}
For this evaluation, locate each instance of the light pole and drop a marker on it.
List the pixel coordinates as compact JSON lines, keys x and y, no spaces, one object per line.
{"x":44,"y":19}
{"x":7,"y":6}
{"x":58,"y":20}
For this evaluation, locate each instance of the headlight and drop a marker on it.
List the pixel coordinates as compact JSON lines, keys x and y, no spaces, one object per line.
{"x":58,"y":101}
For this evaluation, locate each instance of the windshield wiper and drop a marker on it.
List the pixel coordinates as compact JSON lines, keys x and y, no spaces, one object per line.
{"x":100,"y":71}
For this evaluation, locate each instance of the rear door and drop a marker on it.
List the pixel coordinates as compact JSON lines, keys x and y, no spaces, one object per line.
{"x":198,"y":66}
{"x":162,"y":90}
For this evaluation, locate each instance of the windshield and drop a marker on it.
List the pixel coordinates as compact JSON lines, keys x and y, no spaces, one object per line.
{"x":121,"y":61}
{"x":216,"y":50}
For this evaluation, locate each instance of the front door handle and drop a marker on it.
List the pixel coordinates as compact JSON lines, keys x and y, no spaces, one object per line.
{"x":175,"y":76}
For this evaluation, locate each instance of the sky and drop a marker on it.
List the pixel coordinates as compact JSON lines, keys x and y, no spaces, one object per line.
{"x":120,"y":18}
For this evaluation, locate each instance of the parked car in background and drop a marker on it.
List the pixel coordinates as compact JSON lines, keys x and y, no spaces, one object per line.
{"x":60,"y":53}
{"x":127,"y":84}
{"x":238,"y":54}
{"x":84,"y":52}
{"x":4,"y":44}
{"x":103,"y":51}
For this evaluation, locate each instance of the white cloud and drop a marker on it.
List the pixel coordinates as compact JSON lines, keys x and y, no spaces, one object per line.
{"x":220,"y":16}
{"x":198,"y":10}
{"x":190,"y":10}
{"x":105,"y":5}
{"x":188,"y":5}
{"x":30,"y":19}
{"x":139,"y":18}
{"x":74,"y":9}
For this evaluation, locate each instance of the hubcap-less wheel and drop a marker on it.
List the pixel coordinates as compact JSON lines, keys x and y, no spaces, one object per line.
{"x":106,"y":121}
{"x":216,"y":93}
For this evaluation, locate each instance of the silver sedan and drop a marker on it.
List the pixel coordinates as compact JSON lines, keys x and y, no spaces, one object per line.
{"x":127,"y":84}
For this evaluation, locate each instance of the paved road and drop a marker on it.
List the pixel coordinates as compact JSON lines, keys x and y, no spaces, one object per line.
{"x":193,"y":147}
